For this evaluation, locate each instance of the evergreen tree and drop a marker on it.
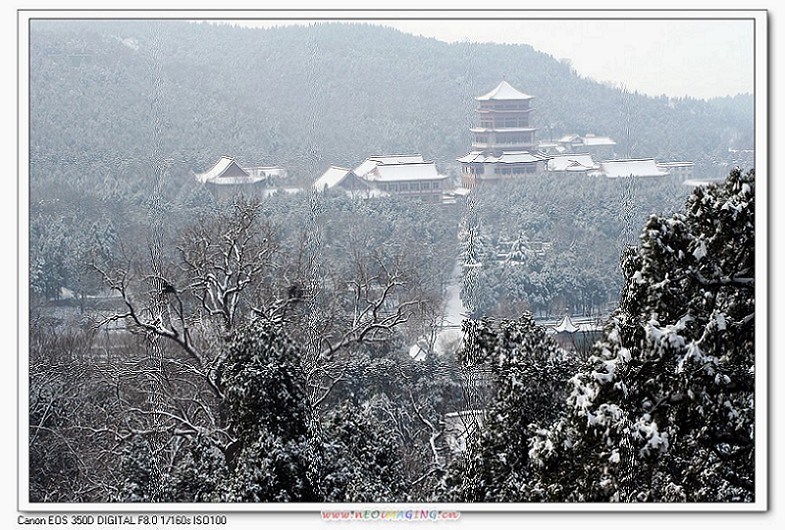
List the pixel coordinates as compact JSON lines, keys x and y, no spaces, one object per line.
{"x":276,"y":457}
{"x":362,"y":457}
{"x":475,"y":260}
{"x":529,"y":373}
{"x":143,"y":480}
{"x":197,"y":474}
{"x":664,"y":410}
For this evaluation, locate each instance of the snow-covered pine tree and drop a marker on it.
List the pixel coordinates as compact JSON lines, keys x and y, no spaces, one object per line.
{"x":197,"y":473}
{"x":277,"y":455}
{"x":664,"y":409}
{"x":529,"y":373}
{"x":142,"y":478}
{"x":362,"y":457}
{"x":475,"y":254}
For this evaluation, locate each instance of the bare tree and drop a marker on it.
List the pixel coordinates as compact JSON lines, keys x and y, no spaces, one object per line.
{"x":233,"y":268}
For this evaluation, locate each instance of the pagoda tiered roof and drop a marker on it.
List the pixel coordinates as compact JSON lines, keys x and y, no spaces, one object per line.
{"x":506,"y":157}
{"x":504,"y":91}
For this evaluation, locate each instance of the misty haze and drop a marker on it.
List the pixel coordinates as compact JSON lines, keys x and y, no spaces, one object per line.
{"x":339,"y":263}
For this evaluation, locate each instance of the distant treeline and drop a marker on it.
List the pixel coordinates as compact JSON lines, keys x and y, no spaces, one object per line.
{"x":110,"y":99}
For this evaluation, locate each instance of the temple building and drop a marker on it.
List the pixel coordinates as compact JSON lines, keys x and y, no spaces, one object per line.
{"x":576,"y":338}
{"x":503,"y":144}
{"x":600,"y":147}
{"x":345,"y":180}
{"x":683,"y":170}
{"x":572,"y":164}
{"x":403,"y":175}
{"x":226,"y":179}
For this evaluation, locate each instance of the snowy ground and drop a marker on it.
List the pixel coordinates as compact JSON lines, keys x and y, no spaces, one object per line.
{"x":454,"y":311}
{"x":449,"y":337}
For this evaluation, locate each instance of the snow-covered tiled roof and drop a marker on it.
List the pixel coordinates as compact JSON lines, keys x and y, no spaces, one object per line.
{"x":517,"y":157}
{"x":391,"y":168}
{"x":551,"y":147}
{"x":231,"y":181}
{"x":330,"y":178}
{"x":675,"y":164}
{"x":640,"y":167}
{"x":597,"y":141}
{"x":397,"y":159}
{"x":569,"y":138}
{"x":268,"y":171}
{"x":373,"y":162}
{"x":503,"y":91}
{"x":507,"y":157}
{"x":474,"y":156}
{"x":572,"y":162}
{"x":590,"y":140}
{"x":366,"y":167}
{"x":400,"y":172}
{"x":566,"y":326}
{"x":219,"y":169}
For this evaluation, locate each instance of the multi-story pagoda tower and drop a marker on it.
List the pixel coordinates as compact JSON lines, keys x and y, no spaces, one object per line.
{"x":503,"y":144}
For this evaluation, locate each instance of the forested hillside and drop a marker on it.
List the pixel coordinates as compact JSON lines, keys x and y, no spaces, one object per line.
{"x":307,"y":97}
{"x":296,"y":347}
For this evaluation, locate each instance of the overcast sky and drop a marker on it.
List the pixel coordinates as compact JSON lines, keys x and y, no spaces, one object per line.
{"x":697,"y":58}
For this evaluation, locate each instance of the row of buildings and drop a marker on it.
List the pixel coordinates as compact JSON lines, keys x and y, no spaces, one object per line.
{"x":504,"y":146}
{"x":406,"y":175}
